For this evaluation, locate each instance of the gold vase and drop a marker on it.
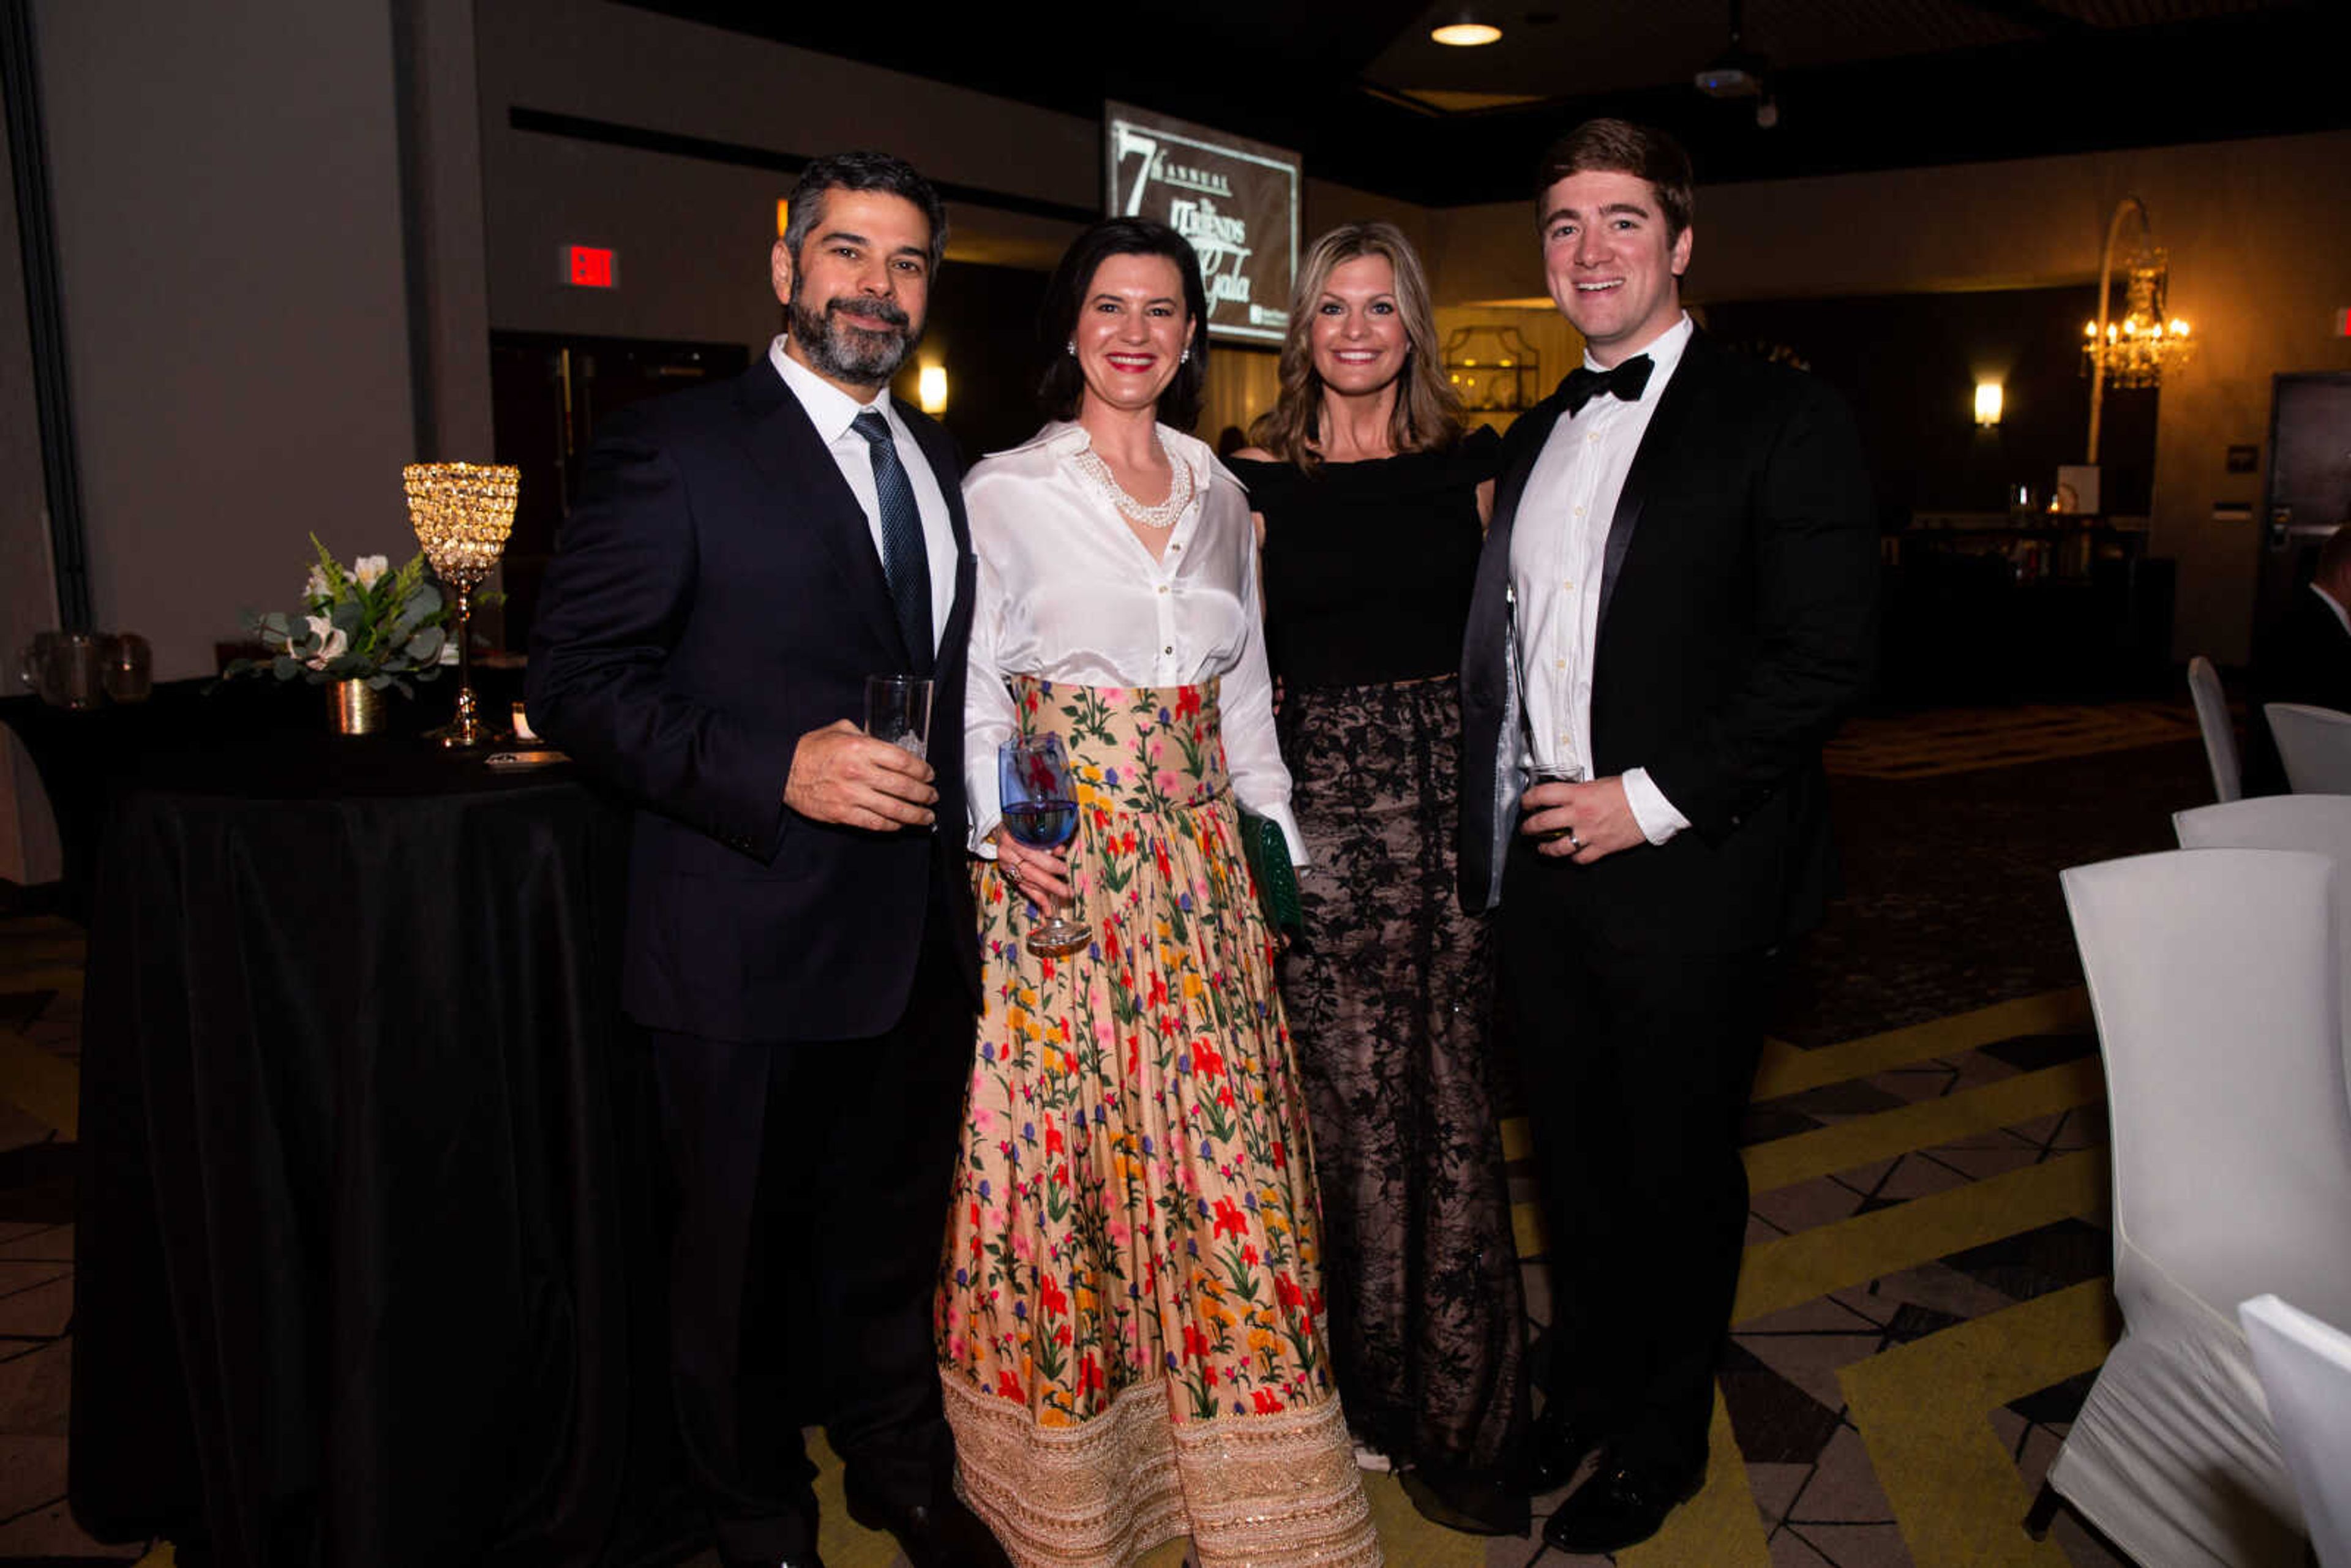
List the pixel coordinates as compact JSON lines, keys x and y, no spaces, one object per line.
{"x":356,"y":706}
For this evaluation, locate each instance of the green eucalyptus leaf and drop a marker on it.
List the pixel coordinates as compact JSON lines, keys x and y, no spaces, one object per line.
{"x":286,"y":668}
{"x":425,"y":646}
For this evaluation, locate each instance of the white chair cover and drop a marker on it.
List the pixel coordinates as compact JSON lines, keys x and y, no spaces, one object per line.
{"x":2315,"y":743}
{"x":2211,"y":975}
{"x":2219,"y":734}
{"x":2317,"y":822}
{"x":2306,"y":1370}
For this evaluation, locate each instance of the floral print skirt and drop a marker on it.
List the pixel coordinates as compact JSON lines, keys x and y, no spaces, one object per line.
{"x":1130,"y":1313}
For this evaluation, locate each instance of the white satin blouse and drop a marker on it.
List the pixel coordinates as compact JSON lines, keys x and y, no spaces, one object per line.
{"x":1068,"y":592}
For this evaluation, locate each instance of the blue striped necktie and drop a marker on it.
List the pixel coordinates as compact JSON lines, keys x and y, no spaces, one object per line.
{"x":906,"y":560}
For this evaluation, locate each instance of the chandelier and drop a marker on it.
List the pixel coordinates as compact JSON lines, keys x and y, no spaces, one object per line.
{"x":2138,"y":350}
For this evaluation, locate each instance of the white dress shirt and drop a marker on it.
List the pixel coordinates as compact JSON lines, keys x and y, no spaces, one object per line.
{"x":833,"y":411}
{"x":1068,"y":592}
{"x":1559,"y":546}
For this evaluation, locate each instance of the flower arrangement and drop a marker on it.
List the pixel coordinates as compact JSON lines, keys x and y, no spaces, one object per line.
{"x":361,"y":623}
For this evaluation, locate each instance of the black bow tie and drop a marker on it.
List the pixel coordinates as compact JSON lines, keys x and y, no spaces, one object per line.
{"x":1626,"y":381}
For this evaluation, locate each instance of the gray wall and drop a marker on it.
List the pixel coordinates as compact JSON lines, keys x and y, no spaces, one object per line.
{"x":229,"y":239}
{"x":694,"y":235}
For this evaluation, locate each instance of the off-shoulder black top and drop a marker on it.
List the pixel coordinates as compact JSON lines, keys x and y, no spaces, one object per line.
{"x":1369,"y":565}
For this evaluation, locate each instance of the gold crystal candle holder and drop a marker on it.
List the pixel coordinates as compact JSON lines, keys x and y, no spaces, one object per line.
{"x":462,"y":513}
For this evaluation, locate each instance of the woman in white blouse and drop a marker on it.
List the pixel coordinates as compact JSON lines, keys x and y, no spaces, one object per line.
{"x":1130,"y":1307}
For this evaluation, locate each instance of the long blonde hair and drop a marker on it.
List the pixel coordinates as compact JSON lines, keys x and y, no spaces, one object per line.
{"x":1426,"y":413}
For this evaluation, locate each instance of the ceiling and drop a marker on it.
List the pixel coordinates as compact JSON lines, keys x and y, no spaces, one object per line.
{"x":1358,"y":87}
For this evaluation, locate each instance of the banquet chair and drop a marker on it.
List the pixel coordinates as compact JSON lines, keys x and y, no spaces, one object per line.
{"x":2306,"y":1370}
{"x":2212,"y":980}
{"x":2219,"y":734}
{"x":2315,"y":743}
{"x":2318,"y":822}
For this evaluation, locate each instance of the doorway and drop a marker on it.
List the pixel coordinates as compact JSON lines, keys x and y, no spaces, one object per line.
{"x":548,"y":392}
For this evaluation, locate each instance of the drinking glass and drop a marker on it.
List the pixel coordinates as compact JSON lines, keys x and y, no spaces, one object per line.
{"x":898,"y":710}
{"x":1040,"y":810}
{"x":65,"y":668}
{"x":1551,"y":773}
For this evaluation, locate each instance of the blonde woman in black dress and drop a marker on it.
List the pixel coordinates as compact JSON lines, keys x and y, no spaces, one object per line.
{"x":1370,"y":501}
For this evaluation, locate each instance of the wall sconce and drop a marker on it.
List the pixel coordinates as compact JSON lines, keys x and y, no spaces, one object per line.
{"x":783,"y":215}
{"x":1987,"y":399}
{"x":931,"y":389}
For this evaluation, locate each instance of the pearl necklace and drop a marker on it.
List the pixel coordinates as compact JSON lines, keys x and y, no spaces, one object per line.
{"x":1166,"y":515}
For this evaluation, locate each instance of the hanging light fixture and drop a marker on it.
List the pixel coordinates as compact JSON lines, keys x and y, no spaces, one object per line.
{"x":1465,"y":31}
{"x":2144,"y":345}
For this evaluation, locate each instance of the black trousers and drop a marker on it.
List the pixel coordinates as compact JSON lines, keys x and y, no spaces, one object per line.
{"x":1637,"y":1068}
{"x":812,"y":1181}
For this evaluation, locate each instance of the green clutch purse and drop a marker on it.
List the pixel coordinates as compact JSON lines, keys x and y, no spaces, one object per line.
{"x":1277,"y":880}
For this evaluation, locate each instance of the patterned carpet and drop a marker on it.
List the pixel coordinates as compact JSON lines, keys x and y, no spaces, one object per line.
{"x":1924,"y":1299}
{"x":1969,"y":740}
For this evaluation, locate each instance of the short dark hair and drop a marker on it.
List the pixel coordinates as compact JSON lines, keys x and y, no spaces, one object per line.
{"x":1620,"y":147}
{"x":1063,"y":385}
{"x":860,"y":171}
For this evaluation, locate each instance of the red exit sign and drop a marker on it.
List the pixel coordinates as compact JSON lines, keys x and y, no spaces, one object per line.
{"x":591,"y":267}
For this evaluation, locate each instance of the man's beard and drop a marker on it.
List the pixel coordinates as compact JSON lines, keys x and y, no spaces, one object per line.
{"x":851,"y":353}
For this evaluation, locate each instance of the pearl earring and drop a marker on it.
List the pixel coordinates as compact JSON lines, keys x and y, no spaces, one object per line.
{"x":1073,"y":347}
{"x":1186,"y":357}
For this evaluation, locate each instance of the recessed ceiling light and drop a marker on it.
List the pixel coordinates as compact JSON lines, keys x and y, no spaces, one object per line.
{"x":1466,"y":34}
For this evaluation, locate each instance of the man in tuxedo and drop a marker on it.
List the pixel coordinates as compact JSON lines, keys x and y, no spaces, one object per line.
{"x":2304,"y":656}
{"x":1674,"y":605}
{"x":800,"y":943}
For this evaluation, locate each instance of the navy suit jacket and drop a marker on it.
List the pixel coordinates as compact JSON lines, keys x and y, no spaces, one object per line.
{"x":716,"y":596}
{"x":1738,"y":623}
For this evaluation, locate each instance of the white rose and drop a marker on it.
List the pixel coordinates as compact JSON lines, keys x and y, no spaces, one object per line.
{"x":368,"y":568}
{"x":335,"y":646}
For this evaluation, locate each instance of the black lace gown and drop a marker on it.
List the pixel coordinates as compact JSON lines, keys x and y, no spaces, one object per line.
{"x":1368,"y":571}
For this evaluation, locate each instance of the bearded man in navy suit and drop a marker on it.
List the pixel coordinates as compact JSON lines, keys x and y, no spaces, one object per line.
{"x":1674,"y":605}
{"x":800,"y":940}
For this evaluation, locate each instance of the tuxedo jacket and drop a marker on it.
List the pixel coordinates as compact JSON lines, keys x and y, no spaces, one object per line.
{"x":1737,"y":624}
{"x":716,"y":596}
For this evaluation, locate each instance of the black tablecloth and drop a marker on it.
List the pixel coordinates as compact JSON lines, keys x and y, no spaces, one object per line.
{"x":365,"y":1271}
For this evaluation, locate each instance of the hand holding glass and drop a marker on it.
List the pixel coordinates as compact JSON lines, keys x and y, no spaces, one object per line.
{"x":1548,"y":773}
{"x":898,"y":710}
{"x":1041,"y":810}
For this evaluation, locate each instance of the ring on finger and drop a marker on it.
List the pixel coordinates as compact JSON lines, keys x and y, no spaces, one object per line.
{"x":1574,"y":843}
{"x":1012,"y":871}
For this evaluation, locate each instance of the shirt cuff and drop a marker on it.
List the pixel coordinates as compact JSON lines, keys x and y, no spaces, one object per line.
{"x":1655,"y":814}
{"x":1281,"y":817}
